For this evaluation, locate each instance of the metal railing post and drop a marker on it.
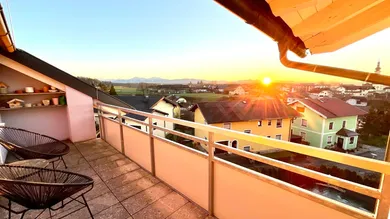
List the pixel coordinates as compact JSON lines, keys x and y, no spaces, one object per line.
{"x":383,"y":205}
{"x":151,"y":140}
{"x":121,"y":131}
{"x":101,"y":125}
{"x":211,"y":173}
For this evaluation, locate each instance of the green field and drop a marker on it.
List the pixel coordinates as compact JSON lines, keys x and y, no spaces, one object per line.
{"x":120,"y":90}
{"x":203,"y":96}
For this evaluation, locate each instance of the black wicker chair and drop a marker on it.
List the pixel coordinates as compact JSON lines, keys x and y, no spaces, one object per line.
{"x":30,"y":145}
{"x":39,"y":188}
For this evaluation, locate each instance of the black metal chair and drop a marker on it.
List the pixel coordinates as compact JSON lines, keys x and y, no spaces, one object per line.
{"x":30,"y":145}
{"x":39,"y":188}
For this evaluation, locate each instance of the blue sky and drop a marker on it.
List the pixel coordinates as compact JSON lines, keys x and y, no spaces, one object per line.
{"x":169,"y":39}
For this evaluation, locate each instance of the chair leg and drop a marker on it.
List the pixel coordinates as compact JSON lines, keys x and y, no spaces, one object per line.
{"x":9,"y":209}
{"x":63,"y":161}
{"x":86,"y":204}
{"x":24,"y":212}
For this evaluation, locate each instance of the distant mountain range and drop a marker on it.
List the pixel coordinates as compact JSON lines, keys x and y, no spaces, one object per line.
{"x":157,"y":80}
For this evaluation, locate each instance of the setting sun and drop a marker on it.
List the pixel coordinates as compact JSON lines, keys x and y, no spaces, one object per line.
{"x":267,"y":81}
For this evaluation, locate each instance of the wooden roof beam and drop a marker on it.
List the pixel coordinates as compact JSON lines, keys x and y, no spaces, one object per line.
{"x":280,"y":7}
{"x":333,"y":15}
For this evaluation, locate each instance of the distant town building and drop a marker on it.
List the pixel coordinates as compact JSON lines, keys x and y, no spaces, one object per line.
{"x":235,"y":90}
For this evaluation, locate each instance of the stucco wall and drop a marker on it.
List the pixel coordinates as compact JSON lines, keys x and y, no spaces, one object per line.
{"x":80,"y":115}
{"x":263,"y":130}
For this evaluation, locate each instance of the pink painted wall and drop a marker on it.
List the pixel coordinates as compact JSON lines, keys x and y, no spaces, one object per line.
{"x":112,"y":133}
{"x":137,"y":147}
{"x":80,"y":115}
{"x":184,"y":170}
{"x":49,"y":121}
{"x":241,"y":195}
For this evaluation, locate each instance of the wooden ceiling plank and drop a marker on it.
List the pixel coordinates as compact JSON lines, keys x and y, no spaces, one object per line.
{"x":281,"y":7}
{"x":352,"y":38}
{"x":333,"y":15}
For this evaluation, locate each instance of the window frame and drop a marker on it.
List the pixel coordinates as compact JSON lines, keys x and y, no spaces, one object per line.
{"x":281,"y":123}
{"x":269,"y":122}
{"x":246,"y":131}
{"x":327,"y":139}
{"x":227,"y":123}
{"x":344,"y":124}
{"x":303,"y":135}
{"x":302,"y":120}
{"x":276,"y":137}
{"x":259,"y":123}
{"x":268,"y":136}
{"x":351,"y":138}
{"x":243,"y":148}
{"x":331,"y":123}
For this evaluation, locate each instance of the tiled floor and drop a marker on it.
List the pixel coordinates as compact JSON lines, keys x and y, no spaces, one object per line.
{"x":122,"y":190}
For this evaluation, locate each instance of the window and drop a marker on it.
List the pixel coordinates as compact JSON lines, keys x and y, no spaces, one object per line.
{"x":300,"y":109}
{"x":259,"y":123}
{"x":227,"y":125}
{"x":303,"y":134}
{"x":247,"y":131}
{"x":329,"y":139}
{"x":205,"y":138}
{"x":269,"y":136}
{"x":154,"y":123}
{"x":269,"y":122}
{"x":136,"y":126}
{"x":344,"y":124}
{"x":279,"y":123}
{"x":247,"y":148}
{"x":304,"y":123}
{"x":351,"y":140}
{"x":279,"y":137}
{"x":331,"y":126}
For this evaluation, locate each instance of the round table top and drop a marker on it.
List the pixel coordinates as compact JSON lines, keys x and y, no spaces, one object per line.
{"x":42,"y":163}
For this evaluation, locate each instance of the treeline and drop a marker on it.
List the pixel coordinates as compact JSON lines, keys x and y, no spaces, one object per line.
{"x":105,"y":86}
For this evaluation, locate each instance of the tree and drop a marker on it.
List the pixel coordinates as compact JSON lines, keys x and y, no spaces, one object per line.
{"x":143,"y":88}
{"x":377,"y":121}
{"x":112,"y":90}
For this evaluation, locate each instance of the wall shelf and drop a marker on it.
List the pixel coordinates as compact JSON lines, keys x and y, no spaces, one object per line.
{"x":32,"y":94}
{"x":28,"y":108}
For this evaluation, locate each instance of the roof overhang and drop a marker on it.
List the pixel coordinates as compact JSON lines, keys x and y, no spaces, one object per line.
{"x":316,"y":26}
{"x":6,"y":41}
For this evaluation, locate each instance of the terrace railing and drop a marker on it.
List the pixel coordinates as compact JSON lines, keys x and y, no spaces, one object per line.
{"x":228,"y":190}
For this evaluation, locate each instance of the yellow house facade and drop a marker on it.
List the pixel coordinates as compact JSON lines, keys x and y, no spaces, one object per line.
{"x":276,"y":125}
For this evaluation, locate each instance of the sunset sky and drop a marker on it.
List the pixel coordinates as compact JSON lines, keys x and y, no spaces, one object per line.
{"x":168,"y":39}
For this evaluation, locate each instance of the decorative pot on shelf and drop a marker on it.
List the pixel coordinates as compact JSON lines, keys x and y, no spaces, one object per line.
{"x":45,"y":89}
{"x":62,"y":100}
{"x":55,"y":100}
{"x":46,"y":102}
{"x":29,"y":90}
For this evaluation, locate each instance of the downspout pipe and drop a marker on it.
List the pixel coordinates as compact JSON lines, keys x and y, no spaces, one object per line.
{"x":5,"y":35}
{"x":333,"y":71}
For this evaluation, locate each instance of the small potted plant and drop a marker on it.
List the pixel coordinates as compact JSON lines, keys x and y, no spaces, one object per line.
{"x":3,"y":88}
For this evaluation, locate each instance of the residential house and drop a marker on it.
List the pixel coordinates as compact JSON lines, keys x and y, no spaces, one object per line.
{"x":151,"y":104}
{"x":326,"y":122}
{"x":357,"y":101}
{"x":266,"y":117}
{"x":234,"y":90}
{"x":319,"y":92}
{"x":355,"y":90}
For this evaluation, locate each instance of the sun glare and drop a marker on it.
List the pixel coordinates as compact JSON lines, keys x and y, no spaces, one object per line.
{"x":266,"y":80}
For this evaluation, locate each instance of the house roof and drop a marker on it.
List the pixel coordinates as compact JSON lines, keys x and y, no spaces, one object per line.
{"x":346,"y":133}
{"x":140,"y":103}
{"x":237,"y":111}
{"x":331,"y":107}
{"x":45,"y":68}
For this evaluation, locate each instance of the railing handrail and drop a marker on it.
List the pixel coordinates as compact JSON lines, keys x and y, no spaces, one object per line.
{"x":351,"y":160}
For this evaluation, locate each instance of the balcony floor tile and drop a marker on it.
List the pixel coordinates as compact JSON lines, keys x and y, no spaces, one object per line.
{"x":122,"y":190}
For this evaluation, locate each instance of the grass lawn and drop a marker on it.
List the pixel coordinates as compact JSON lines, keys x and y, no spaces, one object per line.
{"x":120,"y":90}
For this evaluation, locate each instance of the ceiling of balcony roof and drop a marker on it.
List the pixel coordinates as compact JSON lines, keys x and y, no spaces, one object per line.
{"x":328,"y":25}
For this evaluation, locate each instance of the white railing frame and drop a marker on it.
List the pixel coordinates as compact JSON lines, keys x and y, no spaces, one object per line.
{"x":382,"y":194}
